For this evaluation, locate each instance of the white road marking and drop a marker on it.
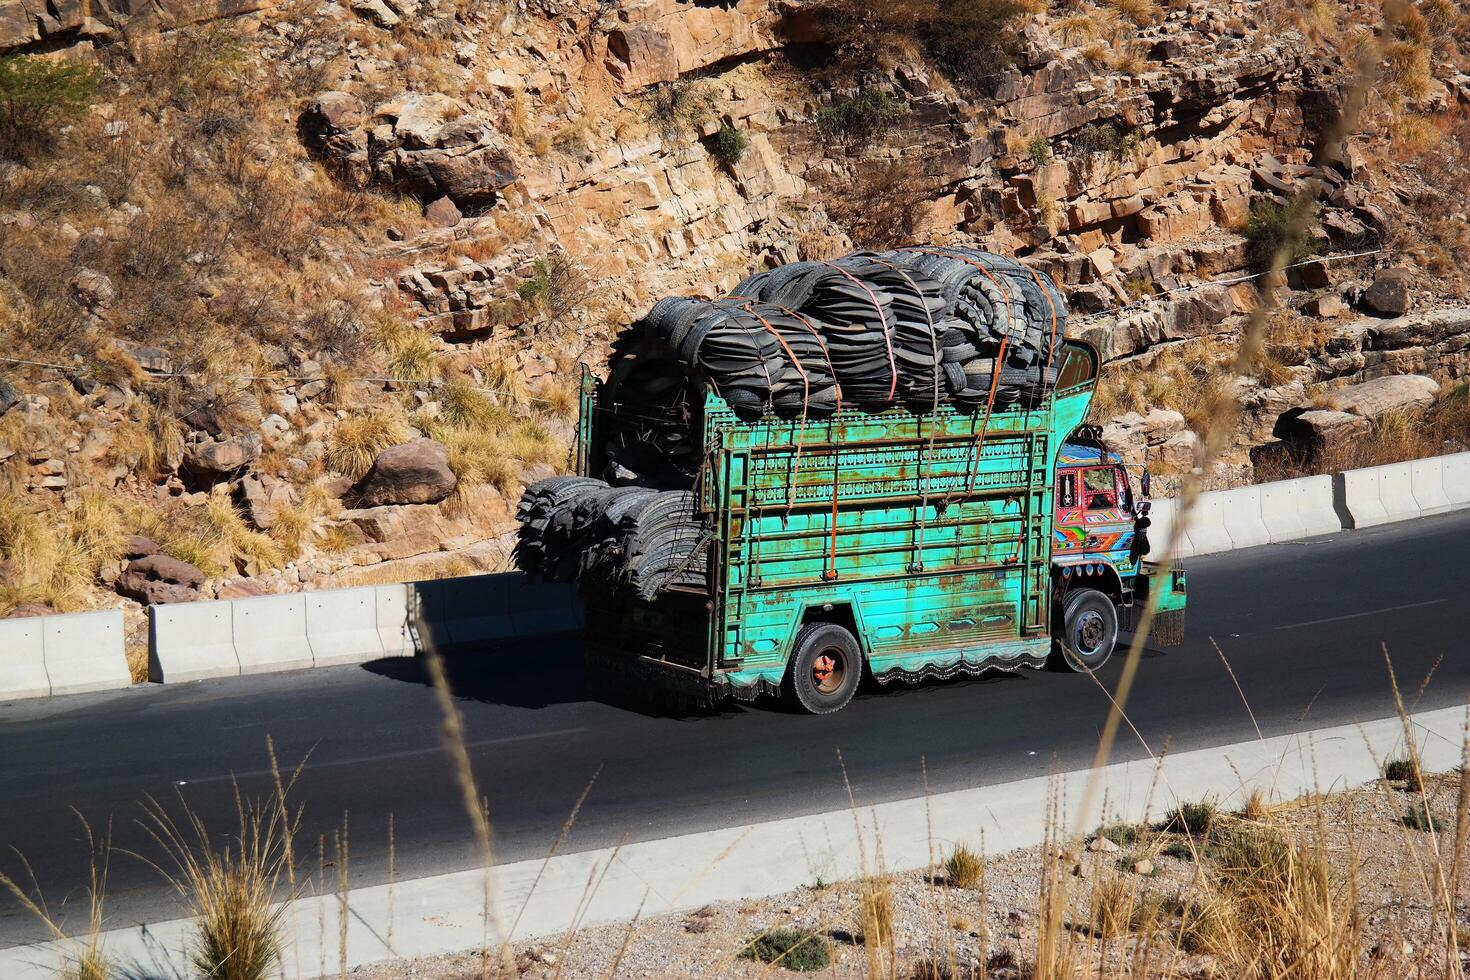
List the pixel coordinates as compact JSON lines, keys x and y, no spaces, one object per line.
{"x":1359,"y":615}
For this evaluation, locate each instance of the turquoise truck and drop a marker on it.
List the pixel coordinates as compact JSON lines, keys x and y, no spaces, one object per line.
{"x":889,"y":546}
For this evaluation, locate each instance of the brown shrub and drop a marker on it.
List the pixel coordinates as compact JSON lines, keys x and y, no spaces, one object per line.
{"x":883,"y":204}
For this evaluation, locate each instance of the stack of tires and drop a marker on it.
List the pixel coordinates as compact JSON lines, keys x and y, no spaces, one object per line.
{"x":617,"y":539}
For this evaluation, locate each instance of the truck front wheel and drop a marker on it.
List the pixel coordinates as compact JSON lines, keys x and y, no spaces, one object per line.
{"x":826,"y":666}
{"x":1089,"y":629}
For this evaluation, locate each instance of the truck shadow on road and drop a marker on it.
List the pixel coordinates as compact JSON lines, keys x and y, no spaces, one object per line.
{"x":528,"y":675}
{"x":545,"y":673}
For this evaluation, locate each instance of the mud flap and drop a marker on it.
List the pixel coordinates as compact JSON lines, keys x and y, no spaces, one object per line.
{"x":1168,"y":628}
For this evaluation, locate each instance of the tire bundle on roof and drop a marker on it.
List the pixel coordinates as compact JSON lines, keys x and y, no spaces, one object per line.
{"x":610,"y":539}
{"x":912,"y":327}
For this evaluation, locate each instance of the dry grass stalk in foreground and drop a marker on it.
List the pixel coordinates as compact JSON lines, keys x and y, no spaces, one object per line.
{"x":233,"y":891}
{"x":464,"y":773}
{"x":83,"y":957}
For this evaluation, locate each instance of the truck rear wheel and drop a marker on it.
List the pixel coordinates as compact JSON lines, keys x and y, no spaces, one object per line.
{"x":826,"y":666}
{"x":1089,"y":629}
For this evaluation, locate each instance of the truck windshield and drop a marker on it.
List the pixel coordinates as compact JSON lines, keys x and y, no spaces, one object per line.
{"x":1099,"y":489}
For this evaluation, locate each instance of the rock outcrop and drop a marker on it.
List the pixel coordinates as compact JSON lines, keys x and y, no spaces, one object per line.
{"x":1404,"y":393}
{"x":429,"y":145}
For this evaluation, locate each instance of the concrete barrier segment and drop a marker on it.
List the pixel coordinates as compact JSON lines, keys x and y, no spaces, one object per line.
{"x":22,"y":660}
{"x":270,"y":633}
{"x":84,"y":652}
{"x":191,"y":641}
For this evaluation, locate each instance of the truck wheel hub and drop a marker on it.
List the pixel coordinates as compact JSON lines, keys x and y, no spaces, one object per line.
{"x":1090,"y":631}
{"x":827,"y":671}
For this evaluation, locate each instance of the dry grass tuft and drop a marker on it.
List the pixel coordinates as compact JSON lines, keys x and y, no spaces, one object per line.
{"x":360,"y":438}
{"x":1140,"y":13}
{"x":83,"y":956}
{"x":964,"y":868}
{"x":234,"y":890}
{"x":53,"y":557}
{"x":408,"y":352}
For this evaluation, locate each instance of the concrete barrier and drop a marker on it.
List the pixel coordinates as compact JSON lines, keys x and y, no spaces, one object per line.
{"x":474,"y":611}
{"x":1240,"y":510}
{"x":1301,"y":508}
{"x":540,"y":608}
{"x":342,"y":626}
{"x":1396,"y":492}
{"x":1456,"y":470}
{"x":191,"y":641}
{"x":270,"y":633}
{"x":1207,"y":529}
{"x":22,"y":660}
{"x":1360,"y":496}
{"x":84,"y":652}
{"x":1427,"y":480}
{"x":395,"y":632}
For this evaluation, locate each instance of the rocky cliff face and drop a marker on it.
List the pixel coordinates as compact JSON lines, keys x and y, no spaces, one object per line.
{"x":492,"y":189}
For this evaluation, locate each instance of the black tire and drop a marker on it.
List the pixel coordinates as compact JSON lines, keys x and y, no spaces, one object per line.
{"x":825,"y":668}
{"x":1088,"y":630}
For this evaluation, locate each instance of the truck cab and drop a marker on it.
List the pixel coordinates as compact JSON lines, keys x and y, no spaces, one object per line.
{"x":1094,"y":518}
{"x":1099,"y":540}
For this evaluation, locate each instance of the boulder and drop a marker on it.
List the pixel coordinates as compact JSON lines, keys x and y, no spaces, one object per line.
{"x":1326,"y":307}
{"x":414,"y":472}
{"x":154,"y":360}
{"x":443,"y":213}
{"x":241,"y":588}
{"x":216,"y":460}
{"x":1162,"y":424}
{"x":1314,"y":275}
{"x":223,"y":410}
{"x":138,"y":546}
{"x":331,"y":127}
{"x":160,"y":579}
{"x":1412,"y":393}
{"x":1180,"y":452}
{"x":92,"y":290}
{"x":8,"y":396}
{"x":1319,"y":429}
{"x":264,"y":497}
{"x":28,"y":609}
{"x":1389,"y":294}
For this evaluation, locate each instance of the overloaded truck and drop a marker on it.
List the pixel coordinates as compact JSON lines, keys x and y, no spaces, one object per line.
{"x":882,"y":541}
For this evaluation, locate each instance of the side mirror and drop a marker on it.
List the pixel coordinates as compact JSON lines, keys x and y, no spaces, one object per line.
{"x":1144,"y":485}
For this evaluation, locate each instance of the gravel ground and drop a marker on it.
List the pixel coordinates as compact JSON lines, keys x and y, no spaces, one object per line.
{"x":991,"y":929}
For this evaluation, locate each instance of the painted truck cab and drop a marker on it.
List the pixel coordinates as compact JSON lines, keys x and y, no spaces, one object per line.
{"x":1094,"y":508}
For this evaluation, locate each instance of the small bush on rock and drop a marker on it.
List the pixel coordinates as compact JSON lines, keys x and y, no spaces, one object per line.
{"x":971,"y":40}
{"x":728,"y":145}
{"x":1194,"y":819}
{"x":1272,"y":227}
{"x":1419,"y":817}
{"x":1401,"y":770}
{"x":859,"y":118}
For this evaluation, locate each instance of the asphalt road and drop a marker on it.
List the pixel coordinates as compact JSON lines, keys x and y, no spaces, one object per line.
{"x":1303,"y":625}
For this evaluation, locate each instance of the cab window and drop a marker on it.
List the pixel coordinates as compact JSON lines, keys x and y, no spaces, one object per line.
{"x":1099,"y":488}
{"x":1125,"y":492}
